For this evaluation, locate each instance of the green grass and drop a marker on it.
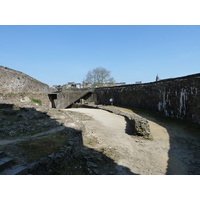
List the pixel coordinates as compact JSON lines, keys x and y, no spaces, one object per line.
{"x":11,"y":94}
{"x":38,"y":101}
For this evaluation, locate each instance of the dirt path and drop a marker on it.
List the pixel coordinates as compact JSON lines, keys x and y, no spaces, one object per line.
{"x":184,"y":143}
{"x":10,"y":141}
{"x":139,"y":155}
{"x":109,"y":147}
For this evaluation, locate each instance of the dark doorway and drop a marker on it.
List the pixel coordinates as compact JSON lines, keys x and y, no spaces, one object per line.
{"x":52,"y":98}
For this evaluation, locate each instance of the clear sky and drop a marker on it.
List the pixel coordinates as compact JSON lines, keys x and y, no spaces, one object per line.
{"x":60,"y":54}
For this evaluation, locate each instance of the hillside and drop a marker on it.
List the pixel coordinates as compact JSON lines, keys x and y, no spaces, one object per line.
{"x":12,"y":81}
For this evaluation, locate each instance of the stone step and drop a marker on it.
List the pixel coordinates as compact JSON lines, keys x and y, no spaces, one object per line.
{"x":15,"y":170}
{"x":2,"y":154}
{"x":5,"y":163}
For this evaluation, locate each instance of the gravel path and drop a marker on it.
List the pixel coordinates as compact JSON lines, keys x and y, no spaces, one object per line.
{"x":139,"y":155}
{"x":174,"y":149}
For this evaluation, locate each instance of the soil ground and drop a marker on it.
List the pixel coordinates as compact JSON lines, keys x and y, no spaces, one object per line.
{"x":107,"y":143}
{"x":174,"y":149}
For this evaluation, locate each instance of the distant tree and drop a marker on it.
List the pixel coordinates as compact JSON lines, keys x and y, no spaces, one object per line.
{"x":99,"y":77}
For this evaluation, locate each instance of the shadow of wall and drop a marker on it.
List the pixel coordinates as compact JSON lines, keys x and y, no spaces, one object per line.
{"x":184,"y":141}
{"x":26,"y":147}
{"x":174,"y":98}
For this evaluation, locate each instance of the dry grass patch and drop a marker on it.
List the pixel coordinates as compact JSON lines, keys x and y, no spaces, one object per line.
{"x":37,"y":148}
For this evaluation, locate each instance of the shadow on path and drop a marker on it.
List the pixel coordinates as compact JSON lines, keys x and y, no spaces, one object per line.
{"x":84,"y":160}
{"x":184,"y":140}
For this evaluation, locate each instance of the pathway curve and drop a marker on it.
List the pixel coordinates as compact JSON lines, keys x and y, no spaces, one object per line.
{"x":141,"y":156}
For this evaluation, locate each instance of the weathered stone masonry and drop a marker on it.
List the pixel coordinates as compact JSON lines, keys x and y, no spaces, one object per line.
{"x":175,"y":98}
{"x":16,"y":86}
{"x":64,"y":100}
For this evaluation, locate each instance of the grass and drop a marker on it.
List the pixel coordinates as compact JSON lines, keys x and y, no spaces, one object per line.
{"x":38,"y":101}
{"x":110,"y":152}
{"x":38,"y":148}
{"x":75,"y":167}
{"x":11,"y":94}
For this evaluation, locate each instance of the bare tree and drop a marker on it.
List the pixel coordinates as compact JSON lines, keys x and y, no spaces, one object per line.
{"x":99,"y":77}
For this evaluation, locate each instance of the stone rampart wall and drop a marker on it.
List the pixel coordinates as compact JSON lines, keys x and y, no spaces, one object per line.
{"x":12,"y":81}
{"x":17,"y":87}
{"x":175,"y":98}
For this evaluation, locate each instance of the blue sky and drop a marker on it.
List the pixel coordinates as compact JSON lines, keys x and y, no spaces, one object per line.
{"x":61,"y":54}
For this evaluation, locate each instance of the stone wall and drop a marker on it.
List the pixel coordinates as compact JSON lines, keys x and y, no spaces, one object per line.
{"x":25,"y":98}
{"x":55,"y":161}
{"x":176,"y":98}
{"x":64,"y":100}
{"x":17,"y":87}
{"x":12,"y":81}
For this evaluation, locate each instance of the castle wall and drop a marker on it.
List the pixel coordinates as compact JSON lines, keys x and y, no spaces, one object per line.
{"x":17,"y":87}
{"x":176,"y":98}
{"x":12,"y":81}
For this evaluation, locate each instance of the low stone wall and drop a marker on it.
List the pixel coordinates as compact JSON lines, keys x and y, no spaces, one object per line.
{"x":55,"y":161}
{"x":140,"y":125}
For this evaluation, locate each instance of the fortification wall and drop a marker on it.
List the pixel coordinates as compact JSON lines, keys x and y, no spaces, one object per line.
{"x":176,"y":98}
{"x":63,"y":100}
{"x":12,"y":81}
{"x":17,"y":87}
